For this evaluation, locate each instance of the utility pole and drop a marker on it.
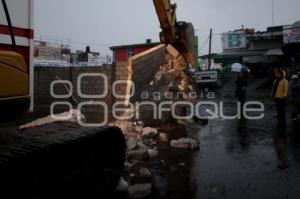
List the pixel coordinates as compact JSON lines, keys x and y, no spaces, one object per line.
{"x":273,"y":12}
{"x":209,"y":53}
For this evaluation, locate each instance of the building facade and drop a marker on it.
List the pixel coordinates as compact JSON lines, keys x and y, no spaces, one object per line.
{"x":124,"y":52}
{"x":47,"y":53}
{"x":88,"y":58}
{"x":261,"y":50}
{"x":291,"y":45}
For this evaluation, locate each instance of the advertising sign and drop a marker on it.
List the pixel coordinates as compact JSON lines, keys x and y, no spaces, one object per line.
{"x":291,"y":36}
{"x":233,"y":40}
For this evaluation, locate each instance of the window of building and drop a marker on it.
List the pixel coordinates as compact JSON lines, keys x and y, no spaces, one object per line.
{"x":129,"y":52}
{"x":114,"y":56}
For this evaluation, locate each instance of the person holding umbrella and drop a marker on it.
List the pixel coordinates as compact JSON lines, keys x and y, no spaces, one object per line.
{"x":237,"y":68}
{"x":241,"y":87}
{"x":280,"y":93}
{"x":241,"y":82}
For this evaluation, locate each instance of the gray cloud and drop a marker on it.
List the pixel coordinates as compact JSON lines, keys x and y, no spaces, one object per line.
{"x":103,"y":23}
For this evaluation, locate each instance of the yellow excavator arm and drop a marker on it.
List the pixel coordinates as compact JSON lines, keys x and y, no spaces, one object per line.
{"x":179,"y":34}
{"x":166,"y":13}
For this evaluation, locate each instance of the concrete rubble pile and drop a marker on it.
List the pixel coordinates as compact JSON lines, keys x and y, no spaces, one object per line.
{"x":172,"y":77}
{"x":143,"y":141}
{"x":174,"y":84}
{"x":142,"y":149}
{"x":136,"y":134}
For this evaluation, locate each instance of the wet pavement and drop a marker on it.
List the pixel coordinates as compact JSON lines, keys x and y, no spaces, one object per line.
{"x":245,"y":158}
{"x":249,"y":159}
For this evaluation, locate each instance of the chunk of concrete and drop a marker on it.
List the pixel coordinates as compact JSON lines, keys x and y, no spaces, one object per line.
{"x":172,"y":51}
{"x":138,"y":129}
{"x":122,"y":186}
{"x":152,"y":153}
{"x":185,"y":143}
{"x":180,"y":64}
{"x":125,"y":126}
{"x":145,"y":173}
{"x":163,"y":137}
{"x":181,"y":164}
{"x":141,"y":154}
{"x":149,"y":132}
{"x":140,"y":190}
{"x":131,"y":143}
{"x":141,"y":145}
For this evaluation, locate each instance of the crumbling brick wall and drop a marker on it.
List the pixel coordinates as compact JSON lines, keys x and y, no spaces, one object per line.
{"x":140,"y":69}
{"x":44,"y":76}
{"x":144,"y":66}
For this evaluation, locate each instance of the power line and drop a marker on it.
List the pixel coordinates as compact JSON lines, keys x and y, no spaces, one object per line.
{"x":206,"y":41}
{"x":58,"y":40}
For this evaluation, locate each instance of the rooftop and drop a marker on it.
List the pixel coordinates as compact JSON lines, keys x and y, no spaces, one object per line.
{"x":150,"y":44}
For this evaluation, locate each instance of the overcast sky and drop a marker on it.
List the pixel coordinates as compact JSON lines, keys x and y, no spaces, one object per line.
{"x":103,"y":23}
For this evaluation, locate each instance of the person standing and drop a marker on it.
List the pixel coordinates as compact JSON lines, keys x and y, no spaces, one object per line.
{"x":240,"y":92}
{"x":294,"y":95}
{"x":241,"y":87}
{"x":279,"y":93}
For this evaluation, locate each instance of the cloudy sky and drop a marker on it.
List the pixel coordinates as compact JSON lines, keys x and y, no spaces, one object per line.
{"x":104,"y":23}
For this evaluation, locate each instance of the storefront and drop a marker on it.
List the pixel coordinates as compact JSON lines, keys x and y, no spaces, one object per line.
{"x":291,"y":47}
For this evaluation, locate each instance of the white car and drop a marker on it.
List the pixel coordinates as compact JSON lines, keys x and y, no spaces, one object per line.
{"x":208,"y":78}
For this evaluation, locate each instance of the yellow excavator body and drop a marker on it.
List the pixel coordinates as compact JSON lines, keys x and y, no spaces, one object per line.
{"x":14,"y":78}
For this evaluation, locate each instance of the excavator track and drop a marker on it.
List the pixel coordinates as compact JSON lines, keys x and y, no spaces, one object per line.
{"x":60,"y":160}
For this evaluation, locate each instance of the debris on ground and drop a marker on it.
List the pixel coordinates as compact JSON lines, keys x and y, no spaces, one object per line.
{"x":163,"y":137}
{"x":139,"y":154}
{"x":145,"y":173}
{"x":131,"y":143}
{"x":122,"y":186}
{"x":140,"y":190}
{"x":144,"y":141}
{"x":152,"y":153}
{"x":185,"y":143}
{"x":69,"y":116}
{"x":126,"y":127}
{"x":181,"y":164}
{"x":149,"y":132}
{"x":144,"y":145}
{"x":130,"y":164}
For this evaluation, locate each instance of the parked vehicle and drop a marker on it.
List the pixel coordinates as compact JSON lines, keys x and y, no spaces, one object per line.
{"x":208,"y":78}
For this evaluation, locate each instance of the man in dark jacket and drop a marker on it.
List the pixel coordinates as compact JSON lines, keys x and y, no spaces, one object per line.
{"x":241,"y":87}
{"x":294,"y":95}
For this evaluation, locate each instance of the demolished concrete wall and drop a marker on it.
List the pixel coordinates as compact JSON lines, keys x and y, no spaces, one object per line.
{"x":44,"y":76}
{"x":144,"y":66}
{"x":141,"y":70}
{"x":159,"y":70}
